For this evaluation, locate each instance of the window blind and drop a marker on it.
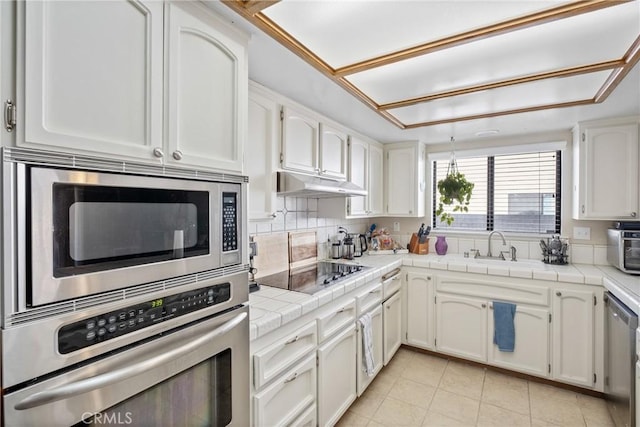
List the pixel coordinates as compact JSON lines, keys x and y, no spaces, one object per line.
{"x":515,"y":192}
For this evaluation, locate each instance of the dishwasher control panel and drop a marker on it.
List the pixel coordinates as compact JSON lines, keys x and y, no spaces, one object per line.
{"x":112,"y":324}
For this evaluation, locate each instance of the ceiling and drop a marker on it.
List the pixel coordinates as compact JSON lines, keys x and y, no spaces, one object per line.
{"x":429,"y":70}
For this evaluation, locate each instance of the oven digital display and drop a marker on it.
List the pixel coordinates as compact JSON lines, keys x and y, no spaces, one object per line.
{"x":106,"y":326}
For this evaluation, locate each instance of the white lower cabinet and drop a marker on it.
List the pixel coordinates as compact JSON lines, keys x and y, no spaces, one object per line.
{"x":420,"y":310}
{"x":392,"y":326}
{"x":336,"y":376}
{"x":309,"y":418}
{"x":461,"y":326}
{"x":573,"y":336}
{"x":363,"y":379}
{"x":288,"y":397}
{"x":531,"y":350}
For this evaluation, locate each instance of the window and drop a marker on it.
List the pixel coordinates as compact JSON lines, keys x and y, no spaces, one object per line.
{"x":515,"y":192}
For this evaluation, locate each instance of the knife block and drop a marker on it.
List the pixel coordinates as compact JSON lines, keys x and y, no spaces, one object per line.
{"x":415,"y":247}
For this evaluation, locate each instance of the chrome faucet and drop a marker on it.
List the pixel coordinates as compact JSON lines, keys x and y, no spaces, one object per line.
{"x":504,"y":242}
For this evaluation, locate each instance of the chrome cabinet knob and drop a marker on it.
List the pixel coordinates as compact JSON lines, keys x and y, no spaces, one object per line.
{"x":158,"y":152}
{"x":177,"y":155}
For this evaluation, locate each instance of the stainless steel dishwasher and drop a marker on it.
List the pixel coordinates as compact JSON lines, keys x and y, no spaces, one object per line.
{"x":619,"y":385}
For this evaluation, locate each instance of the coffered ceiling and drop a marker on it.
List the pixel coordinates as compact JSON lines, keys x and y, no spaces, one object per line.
{"x":424,"y":63}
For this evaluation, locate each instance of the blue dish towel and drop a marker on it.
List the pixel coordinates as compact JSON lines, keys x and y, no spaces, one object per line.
{"x":504,"y":334}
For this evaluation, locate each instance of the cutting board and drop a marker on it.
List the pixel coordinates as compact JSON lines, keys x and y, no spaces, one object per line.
{"x":273,"y":254}
{"x":303,"y":248}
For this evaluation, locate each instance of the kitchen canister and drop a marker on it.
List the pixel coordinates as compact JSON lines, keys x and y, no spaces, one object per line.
{"x":441,"y":245}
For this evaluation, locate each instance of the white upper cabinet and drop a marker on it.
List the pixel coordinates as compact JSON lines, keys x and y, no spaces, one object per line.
{"x":333,"y":152}
{"x":206,"y":91}
{"x":111,"y":78}
{"x":261,"y":153}
{"x":605,"y":175}
{"x":366,"y":171}
{"x":312,"y":147}
{"x":405,"y":179}
{"x":300,"y":132}
{"x":92,"y":76}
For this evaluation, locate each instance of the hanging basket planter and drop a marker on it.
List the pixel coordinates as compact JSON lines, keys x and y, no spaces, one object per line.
{"x":454,"y":191}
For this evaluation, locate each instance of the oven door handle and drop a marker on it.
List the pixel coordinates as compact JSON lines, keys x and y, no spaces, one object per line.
{"x":88,"y":384}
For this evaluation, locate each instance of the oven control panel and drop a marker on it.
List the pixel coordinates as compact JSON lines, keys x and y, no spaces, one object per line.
{"x":229,"y":222}
{"x":112,"y":324}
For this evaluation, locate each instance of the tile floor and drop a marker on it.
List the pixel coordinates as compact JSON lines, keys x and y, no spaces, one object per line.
{"x":417,"y":389}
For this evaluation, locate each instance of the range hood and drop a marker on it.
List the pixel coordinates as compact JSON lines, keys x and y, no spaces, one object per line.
{"x":299,"y":185}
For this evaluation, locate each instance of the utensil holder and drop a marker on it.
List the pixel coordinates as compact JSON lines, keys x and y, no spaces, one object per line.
{"x":415,"y":247}
{"x":555,"y":256}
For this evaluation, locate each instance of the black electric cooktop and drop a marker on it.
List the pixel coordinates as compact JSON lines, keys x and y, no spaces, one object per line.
{"x":313,"y":278}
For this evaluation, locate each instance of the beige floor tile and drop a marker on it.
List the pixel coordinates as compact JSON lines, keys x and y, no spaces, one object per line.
{"x":555,"y":409}
{"x":373,"y":423}
{"x":383,"y":382}
{"x":547,"y":391}
{"x":367,"y":404}
{"x":452,"y":405}
{"x":542,"y":423}
{"x":506,"y":392}
{"x":595,"y":411}
{"x":412,"y":392}
{"x":425,"y":369}
{"x":393,"y":412}
{"x":463,"y":379}
{"x":350,"y":418}
{"x":494,"y":416}
{"x":434,"y":419}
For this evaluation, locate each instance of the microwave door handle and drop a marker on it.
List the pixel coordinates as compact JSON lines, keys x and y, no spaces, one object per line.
{"x":88,"y":384}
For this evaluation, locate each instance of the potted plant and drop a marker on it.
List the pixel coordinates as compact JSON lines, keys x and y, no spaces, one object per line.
{"x":454,"y":190}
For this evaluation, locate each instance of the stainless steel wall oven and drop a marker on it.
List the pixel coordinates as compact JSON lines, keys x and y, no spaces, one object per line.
{"x":124,"y":294}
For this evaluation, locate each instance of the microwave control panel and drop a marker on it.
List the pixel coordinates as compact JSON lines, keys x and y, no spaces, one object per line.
{"x":112,"y":324}
{"x":229,"y":222}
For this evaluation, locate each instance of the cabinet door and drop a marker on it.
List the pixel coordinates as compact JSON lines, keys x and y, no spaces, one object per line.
{"x":531,"y":351}
{"x":401,"y":181}
{"x":392,"y":328}
{"x":333,"y":152}
{"x":336,"y":376}
{"x":461,"y":326}
{"x":610,"y":175}
{"x":92,"y":76}
{"x":573,"y":336}
{"x":363,"y":380}
{"x":260,"y":158}
{"x":207,"y":85}
{"x":299,"y":141}
{"x":358,"y":174}
{"x":376,"y":180}
{"x":420,"y":310}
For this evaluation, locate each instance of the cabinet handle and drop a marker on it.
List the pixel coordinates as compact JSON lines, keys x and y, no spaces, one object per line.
{"x":490,"y":306}
{"x":177,"y":155}
{"x":342,"y":310}
{"x":484,"y":305}
{"x":293,"y":377}
{"x":582,"y":208}
{"x":558,"y":294}
{"x":273,"y":215}
{"x":292,"y":340}
{"x":633,"y":214}
{"x":9,"y":115}
{"x":158,"y":152}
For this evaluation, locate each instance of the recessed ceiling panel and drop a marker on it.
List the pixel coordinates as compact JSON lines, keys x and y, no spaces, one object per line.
{"x":345,"y":32}
{"x":545,"y":92}
{"x":557,"y":45}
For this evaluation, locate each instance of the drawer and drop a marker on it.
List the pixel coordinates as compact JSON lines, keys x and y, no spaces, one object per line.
{"x":285,"y":401}
{"x":271,"y":361}
{"x":334,"y":320}
{"x":391,"y":283}
{"x":516,"y":292}
{"x":307,"y":419}
{"x":368,"y":299}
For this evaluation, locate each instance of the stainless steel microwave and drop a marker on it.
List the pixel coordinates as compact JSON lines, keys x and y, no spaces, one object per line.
{"x":623,"y":249}
{"x":81,"y":232}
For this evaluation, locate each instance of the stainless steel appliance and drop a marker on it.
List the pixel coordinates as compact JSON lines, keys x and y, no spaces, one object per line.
{"x":360,"y":244}
{"x":620,"y":361}
{"x":314,"y":277}
{"x":158,"y":348}
{"x":623,"y":247}
{"x":84,"y":232}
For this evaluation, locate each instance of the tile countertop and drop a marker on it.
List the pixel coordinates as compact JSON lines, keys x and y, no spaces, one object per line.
{"x":271,"y":307}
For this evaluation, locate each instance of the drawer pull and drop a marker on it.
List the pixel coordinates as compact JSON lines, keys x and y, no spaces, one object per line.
{"x":292,"y":340}
{"x":374,"y":292}
{"x":484,"y":305}
{"x":293,"y":378}
{"x":558,"y":294}
{"x":342,"y":310}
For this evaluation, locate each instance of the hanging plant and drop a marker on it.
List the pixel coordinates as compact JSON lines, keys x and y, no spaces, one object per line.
{"x":454,"y":190}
